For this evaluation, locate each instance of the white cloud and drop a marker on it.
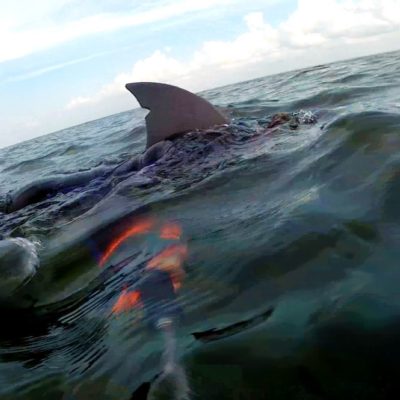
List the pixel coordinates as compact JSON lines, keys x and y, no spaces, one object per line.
{"x":260,"y":40}
{"x":41,"y":71}
{"x":18,"y":38}
{"x":322,"y":25}
{"x":316,"y":22}
{"x":157,"y":66}
{"x":256,"y":43}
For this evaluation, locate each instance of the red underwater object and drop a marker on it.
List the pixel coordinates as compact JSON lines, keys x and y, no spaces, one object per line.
{"x":170,"y":260}
{"x":171,"y":231}
{"x":126,"y":301}
{"x":143,"y":226}
{"x":165,"y":271}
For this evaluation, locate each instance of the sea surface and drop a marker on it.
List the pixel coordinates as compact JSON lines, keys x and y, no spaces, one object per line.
{"x":292,"y":287}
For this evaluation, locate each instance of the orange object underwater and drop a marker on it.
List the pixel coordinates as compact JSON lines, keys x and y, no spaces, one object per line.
{"x":163,"y":274}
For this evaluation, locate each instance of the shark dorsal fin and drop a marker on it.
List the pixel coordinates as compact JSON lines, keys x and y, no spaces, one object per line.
{"x":173,"y":110}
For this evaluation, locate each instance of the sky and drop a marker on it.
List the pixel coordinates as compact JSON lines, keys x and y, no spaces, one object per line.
{"x":65,"y":62}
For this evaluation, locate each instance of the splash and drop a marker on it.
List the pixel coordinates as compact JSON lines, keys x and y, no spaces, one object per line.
{"x":19,"y":262}
{"x":173,"y":376}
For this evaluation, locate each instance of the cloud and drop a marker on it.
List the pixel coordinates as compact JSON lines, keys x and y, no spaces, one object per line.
{"x":19,"y":38}
{"x":317,"y":22}
{"x":256,"y":43}
{"x":157,"y":66}
{"x":313,"y":25}
{"x":41,"y":71}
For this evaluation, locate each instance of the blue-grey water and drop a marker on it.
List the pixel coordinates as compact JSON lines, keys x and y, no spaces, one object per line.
{"x":294,"y":233}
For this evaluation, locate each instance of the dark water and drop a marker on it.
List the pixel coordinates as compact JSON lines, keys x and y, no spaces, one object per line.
{"x":293,"y":248}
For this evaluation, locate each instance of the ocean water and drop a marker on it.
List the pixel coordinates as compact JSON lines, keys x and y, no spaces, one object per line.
{"x":292,"y":281}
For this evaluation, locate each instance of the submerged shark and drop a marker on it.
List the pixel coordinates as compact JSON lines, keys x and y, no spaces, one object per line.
{"x":174,"y":114}
{"x":173,"y":111}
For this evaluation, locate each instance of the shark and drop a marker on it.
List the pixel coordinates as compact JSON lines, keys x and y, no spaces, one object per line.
{"x":173,"y":112}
